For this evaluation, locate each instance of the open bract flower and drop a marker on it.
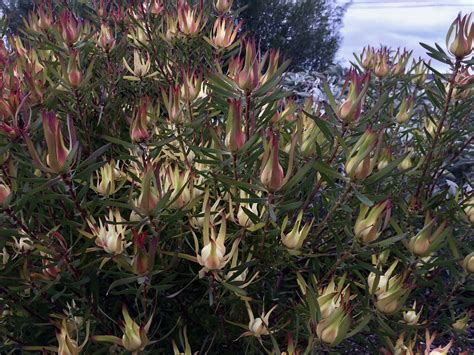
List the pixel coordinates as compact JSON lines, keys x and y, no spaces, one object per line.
{"x":439,"y":350}
{"x":134,"y":336}
{"x":247,"y":212}
{"x":463,"y":30}
{"x":378,"y":283}
{"x":294,"y":239}
{"x":110,"y":235}
{"x":106,"y":178}
{"x":67,"y":339}
{"x":212,"y":256}
{"x":223,"y":33}
{"x":180,"y":183}
{"x":258,"y":326}
{"x":411,"y":317}
{"x":335,"y":310}
{"x":141,"y":67}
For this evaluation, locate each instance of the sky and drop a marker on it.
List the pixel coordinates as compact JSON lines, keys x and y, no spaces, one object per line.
{"x":398,"y":23}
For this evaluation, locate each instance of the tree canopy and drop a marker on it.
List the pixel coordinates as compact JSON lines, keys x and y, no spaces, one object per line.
{"x":307,"y":30}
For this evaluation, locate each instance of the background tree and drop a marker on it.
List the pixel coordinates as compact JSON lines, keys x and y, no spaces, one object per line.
{"x":307,"y":30}
{"x":15,"y":11}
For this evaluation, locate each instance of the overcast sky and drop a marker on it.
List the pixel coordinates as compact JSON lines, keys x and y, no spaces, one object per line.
{"x":396,"y":23}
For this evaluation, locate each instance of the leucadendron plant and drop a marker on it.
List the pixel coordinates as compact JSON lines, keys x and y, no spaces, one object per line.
{"x":161,"y":193}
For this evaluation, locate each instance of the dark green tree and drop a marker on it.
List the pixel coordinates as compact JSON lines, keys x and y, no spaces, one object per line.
{"x":14,"y":11}
{"x":307,"y":31}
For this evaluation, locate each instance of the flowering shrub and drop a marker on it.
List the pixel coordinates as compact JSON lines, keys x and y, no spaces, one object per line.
{"x":162,"y":193}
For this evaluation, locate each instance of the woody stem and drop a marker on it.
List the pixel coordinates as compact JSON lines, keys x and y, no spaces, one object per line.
{"x":429,"y":157}
{"x":333,"y":209}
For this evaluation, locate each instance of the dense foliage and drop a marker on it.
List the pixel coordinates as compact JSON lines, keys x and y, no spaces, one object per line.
{"x":161,"y":192}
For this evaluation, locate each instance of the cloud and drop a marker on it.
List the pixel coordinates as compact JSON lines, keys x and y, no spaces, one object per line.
{"x":396,"y":27}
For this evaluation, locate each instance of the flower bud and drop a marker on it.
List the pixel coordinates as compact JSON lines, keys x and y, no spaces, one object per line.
{"x":391,"y":300}
{"x":381,"y":68}
{"x":294,"y":239}
{"x":140,"y":255}
{"x":411,"y":317}
{"x":426,"y":242}
{"x":400,"y":61}
{"x":421,"y":72}
{"x":461,"y":324}
{"x":272,"y":176}
{"x":468,"y":263}
{"x":372,"y":221}
{"x":105,"y":40}
{"x":139,"y":129}
{"x":212,"y":255}
{"x":149,"y":195}
{"x":157,"y":7}
{"x":272,"y":68}
{"x":73,"y":72}
{"x":235,"y":135}
{"x":462,"y":88}
{"x":45,"y":16}
{"x":248,"y":76}
{"x":463,"y":30}
{"x":134,"y":336}
{"x":385,"y":158}
{"x":171,"y":27}
{"x":349,"y":111}
{"x":367,"y":58}
{"x":223,"y":6}
{"x":181,"y":184}
{"x":361,"y":161}
{"x":310,"y":135}
{"x":70,"y":28}
{"x":328,"y":300}
{"x":469,"y":209}
{"x":431,"y":127}
{"x":4,"y":192}
{"x":405,"y":111}
{"x":406,"y":164}
{"x":173,"y":104}
{"x":51,"y":270}
{"x":333,"y":330}
{"x":57,"y":151}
